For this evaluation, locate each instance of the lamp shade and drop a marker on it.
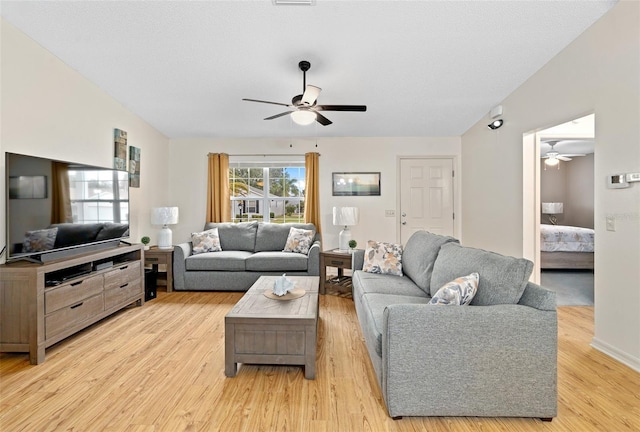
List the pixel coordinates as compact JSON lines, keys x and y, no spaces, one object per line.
{"x":164,"y":216}
{"x":552,"y":208}
{"x":346,"y":216}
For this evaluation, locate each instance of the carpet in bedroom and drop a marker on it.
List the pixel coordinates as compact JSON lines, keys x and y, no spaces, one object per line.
{"x":572,"y":287}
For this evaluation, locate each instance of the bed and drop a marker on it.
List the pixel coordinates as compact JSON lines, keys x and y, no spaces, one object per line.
{"x":566,"y":247}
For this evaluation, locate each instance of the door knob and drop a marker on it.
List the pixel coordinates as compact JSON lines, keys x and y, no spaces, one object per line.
{"x":404,"y":222}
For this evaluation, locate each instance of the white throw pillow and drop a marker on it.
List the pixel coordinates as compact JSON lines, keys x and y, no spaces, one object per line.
{"x":384,"y":258}
{"x":299,"y":241}
{"x":458,"y":292}
{"x":206,"y":241}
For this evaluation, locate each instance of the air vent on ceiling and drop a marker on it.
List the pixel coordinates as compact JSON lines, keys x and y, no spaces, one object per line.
{"x":294,"y":2}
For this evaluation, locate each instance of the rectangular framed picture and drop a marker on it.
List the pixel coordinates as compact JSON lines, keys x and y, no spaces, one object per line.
{"x":28,"y":187}
{"x":356,"y":184}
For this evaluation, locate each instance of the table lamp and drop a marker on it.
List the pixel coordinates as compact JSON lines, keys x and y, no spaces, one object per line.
{"x":552,"y":209}
{"x":345,"y":216}
{"x":164,"y":216}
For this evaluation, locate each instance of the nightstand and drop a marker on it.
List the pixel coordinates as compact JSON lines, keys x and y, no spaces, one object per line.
{"x":339,"y":260}
{"x":154,"y":257}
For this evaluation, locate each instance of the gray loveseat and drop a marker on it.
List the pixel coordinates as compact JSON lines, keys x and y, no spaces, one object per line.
{"x":494,"y":358}
{"x":249,"y":250}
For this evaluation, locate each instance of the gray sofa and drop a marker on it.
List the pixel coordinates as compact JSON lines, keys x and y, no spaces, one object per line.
{"x":496,"y":357}
{"x":249,"y":250}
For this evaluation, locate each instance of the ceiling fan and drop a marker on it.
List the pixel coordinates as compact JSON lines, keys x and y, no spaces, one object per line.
{"x":553,"y":157}
{"x":303,"y":107}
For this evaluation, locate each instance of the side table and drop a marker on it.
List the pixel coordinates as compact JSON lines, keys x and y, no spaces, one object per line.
{"x":155,"y":256}
{"x":340,"y":260}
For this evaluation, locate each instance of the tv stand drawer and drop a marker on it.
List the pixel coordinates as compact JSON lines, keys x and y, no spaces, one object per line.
{"x":68,"y":294}
{"x":121,"y":275}
{"x":119,"y":294}
{"x":66,"y":318}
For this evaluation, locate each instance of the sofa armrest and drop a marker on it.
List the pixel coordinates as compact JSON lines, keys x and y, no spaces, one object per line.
{"x":180,"y":253}
{"x":538,"y":297}
{"x":469,"y":361}
{"x":357,"y":261}
{"x":313,"y":262}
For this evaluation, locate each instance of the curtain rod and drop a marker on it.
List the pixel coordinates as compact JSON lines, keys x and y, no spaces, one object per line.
{"x":265,"y":155}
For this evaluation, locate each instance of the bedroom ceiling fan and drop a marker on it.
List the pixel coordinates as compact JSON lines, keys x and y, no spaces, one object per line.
{"x":303,"y":107}
{"x":553,"y":157}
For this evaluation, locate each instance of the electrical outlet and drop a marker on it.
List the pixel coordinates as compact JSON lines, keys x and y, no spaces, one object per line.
{"x":389,"y":213}
{"x":611,"y":223}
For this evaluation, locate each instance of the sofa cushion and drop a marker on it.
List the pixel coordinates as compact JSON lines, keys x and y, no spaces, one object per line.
{"x":112,"y":231}
{"x":205,"y":241}
{"x":218,"y":261}
{"x":236,"y":236}
{"x":382,"y":257}
{"x":373,"y":319}
{"x":420,"y":254}
{"x":502,"y":278}
{"x":365,"y":283}
{"x":299,"y":240}
{"x":458,"y":292}
{"x":273,"y":237}
{"x":276,"y":261}
{"x":70,"y":234}
{"x":39,"y":240}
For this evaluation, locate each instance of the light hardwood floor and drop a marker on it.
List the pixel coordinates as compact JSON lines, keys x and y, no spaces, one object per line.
{"x":161,"y":368}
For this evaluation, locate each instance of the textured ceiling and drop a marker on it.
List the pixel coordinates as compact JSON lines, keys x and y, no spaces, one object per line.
{"x":423,"y":68}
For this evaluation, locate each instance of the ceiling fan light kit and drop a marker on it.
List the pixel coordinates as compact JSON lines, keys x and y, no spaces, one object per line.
{"x":303,"y":108}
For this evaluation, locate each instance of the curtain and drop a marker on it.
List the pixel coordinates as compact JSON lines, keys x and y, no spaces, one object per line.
{"x":218,"y":199}
{"x":312,"y":189}
{"x":60,"y":198}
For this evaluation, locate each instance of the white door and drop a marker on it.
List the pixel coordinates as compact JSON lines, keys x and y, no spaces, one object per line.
{"x":426,"y":196}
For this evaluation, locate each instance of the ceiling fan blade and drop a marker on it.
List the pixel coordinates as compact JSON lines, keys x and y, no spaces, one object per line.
{"x":572,"y":154}
{"x":310,"y":95}
{"x":322,"y":119}
{"x":268,"y":102}
{"x":278,"y":115}
{"x":341,"y":108}
{"x":563,"y":158}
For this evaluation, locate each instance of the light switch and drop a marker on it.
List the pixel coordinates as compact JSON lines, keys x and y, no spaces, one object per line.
{"x":611,"y":223}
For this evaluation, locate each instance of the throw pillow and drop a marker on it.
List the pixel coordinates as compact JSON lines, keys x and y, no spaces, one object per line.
{"x":299,"y":241}
{"x":384,"y":258}
{"x":206,"y":241}
{"x":39,"y":240}
{"x":458,"y":292}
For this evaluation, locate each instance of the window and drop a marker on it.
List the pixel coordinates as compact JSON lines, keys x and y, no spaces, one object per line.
{"x":99,"y":196}
{"x":267,"y":191}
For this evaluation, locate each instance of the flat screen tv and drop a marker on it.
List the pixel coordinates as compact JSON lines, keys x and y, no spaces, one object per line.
{"x":56,"y":209}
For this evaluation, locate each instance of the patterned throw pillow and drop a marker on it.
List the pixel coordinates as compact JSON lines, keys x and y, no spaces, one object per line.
{"x":39,"y":240}
{"x":458,"y":292}
{"x":206,"y":241}
{"x":299,"y":241}
{"x":381,"y":257}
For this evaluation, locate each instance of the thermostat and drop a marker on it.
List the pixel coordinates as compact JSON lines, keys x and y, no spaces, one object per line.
{"x":617,"y":181}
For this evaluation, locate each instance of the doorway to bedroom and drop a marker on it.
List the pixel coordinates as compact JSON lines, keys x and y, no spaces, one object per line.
{"x":564,"y":210}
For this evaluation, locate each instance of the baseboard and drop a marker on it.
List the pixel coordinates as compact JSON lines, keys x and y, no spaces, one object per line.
{"x":615,"y":353}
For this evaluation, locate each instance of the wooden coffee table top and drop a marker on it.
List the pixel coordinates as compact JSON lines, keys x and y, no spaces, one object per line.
{"x":254,"y":304}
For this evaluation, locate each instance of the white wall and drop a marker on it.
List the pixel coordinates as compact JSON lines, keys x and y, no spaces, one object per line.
{"x":188,"y":176}
{"x":599,"y":72}
{"x":50,"y":110}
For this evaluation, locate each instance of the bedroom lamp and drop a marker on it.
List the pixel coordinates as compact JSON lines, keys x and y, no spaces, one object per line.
{"x":345,"y":216}
{"x":552,"y":209}
{"x":164,"y":216}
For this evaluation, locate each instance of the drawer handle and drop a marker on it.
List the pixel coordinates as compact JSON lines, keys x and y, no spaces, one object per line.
{"x":76,"y":283}
{"x":124,"y":267}
{"x":337,"y":262}
{"x":151,"y":259}
{"x":78,"y":305}
{"x":124,"y":286}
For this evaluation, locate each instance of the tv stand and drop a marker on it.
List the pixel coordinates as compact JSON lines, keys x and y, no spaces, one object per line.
{"x":45,"y":303}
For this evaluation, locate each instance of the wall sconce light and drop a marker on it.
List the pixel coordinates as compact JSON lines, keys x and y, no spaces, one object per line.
{"x":496,"y":124}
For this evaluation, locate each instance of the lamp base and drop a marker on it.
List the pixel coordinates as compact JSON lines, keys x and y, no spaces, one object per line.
{"x":553,"y":220}
{"x":165,"y":238}
{"x":343,"y":239}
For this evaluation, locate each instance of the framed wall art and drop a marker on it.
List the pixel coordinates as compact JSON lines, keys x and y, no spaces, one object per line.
{"x":356,"y":184}
{"x":28,"y":187}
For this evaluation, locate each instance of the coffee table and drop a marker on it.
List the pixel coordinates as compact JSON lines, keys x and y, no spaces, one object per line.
{"x":261,"y":330}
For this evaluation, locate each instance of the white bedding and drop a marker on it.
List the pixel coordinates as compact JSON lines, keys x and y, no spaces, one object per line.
{"x":561,"y":238}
